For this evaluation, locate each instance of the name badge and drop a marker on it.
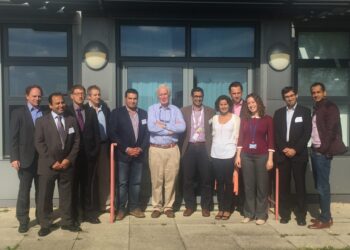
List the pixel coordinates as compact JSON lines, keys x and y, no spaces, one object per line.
{"x":195,"y":136}
{"x":298,"y":119}
{"x":71,"y":130}
{"x":252,"y":146}
{"x":143,"y":121}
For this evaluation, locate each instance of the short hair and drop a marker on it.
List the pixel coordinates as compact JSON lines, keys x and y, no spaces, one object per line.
{"x":259,"y":102}
{"x":287,"y":89}
{"x":131,"y":91}
{"x":318,"y":84}
{"x":235,"y":84}
{"x":77,"y":86}
{"x":54,"y":94}
{"x":34,"y":86}
{"x":93,"y":87}
{"x":197,"y":89}
{"x":164,"y":86}
{"x":223,"y":97}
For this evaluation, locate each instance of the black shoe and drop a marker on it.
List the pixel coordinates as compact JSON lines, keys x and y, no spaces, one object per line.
{"x":76,"y":223}
{"x":71,"y":228}
{"x":301,"y":222}
{"x":44,"y":231}
{"x":23,"y":228}
{"x":284,"y":221}
{"x":92,"y":220}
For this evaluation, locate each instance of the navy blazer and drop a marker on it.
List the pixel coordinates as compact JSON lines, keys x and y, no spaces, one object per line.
{"x":299,"y":133}
{"x":122,"y":133}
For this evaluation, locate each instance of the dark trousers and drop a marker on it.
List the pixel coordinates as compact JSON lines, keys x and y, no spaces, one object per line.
{"x":286,"y":169}
{"x":47,"y":185}
{"x":238,"y":200}
{"x":129,"y":183}
{"x":196,"y":160}
{"x":223,"y":170}
{"x":103,"y":176}
{"x":26,"y":177}
{"x":256,"y":185}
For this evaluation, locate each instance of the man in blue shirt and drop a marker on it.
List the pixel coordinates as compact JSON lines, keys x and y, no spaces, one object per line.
{"x":165,"y":123}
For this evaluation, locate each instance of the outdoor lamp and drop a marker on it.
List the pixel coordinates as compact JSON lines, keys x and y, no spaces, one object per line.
{"x":278,"y":57}
{"x":96,"y":55}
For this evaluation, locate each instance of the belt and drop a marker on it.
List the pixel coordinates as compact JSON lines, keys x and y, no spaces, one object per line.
{"x":171,"y":145}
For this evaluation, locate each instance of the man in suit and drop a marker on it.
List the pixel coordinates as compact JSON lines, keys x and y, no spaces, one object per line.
{"x":292,"y":132}
{"x":57,"y":142}
{"x":195,"y":153}
{"x":326,"y":139}
{"x":85,"y":182}
{"x":24,"y":158}
{"x":128,"y":128}
{"x":239,"y":108}
{"x":102,"y":162}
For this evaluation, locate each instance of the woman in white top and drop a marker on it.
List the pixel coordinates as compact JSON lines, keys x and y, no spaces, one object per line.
{"x":223,"y":149}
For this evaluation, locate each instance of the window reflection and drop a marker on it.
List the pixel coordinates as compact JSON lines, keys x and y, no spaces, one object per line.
{"x":152,"y":41}
{"x":51,"y":79}
{"x":222,"y":42}
{"x":41,"y":43}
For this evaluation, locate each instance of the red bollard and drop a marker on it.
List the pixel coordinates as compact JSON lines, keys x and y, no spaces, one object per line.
{"x":112,"y":182}
{"x":277,"y":193}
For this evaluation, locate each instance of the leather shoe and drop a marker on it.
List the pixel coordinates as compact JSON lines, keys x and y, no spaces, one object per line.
{"x":317,"y":220}
{"x":137,"y":213}
{"x":284,"y":221}
{"x":320,"y":225}
{"x":169,"y":213}
{"x":120,"y":215}
{"x":205,"y":212}
{"x":23,"y":228}
{"x":44,"y":231}
{"x":156,"y":214}
{"x":188,"y":212}
{"x":301,"y":222}
{"x":71,"y":228}
{"x":93,"y":220}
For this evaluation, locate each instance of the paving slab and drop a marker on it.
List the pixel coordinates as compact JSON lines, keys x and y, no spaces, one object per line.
{"x":250,"y":229}
{"x":316,"y":242}
{"x":344,"y":238}
{"x":263,"y":242}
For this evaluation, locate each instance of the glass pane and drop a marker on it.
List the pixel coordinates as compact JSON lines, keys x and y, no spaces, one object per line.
{"x":41,"y":43}
{"x":324,"y":45}
{"x":215,"y":82}
{"x":337,"y":80}
{"x":152,"y":41}
{"x":344,"y":119}
{"x":222,"y":42}
{"x":146,"y":80}
{"x":51,"y":79}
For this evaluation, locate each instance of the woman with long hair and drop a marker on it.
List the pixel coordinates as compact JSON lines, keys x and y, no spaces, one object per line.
{"x":255,"y":157}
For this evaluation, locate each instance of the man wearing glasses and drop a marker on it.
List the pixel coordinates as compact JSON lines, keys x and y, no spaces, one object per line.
{"x":165,"y":123}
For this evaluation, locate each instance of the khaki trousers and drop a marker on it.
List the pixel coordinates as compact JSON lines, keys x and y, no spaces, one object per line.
{"x":164,"y":166}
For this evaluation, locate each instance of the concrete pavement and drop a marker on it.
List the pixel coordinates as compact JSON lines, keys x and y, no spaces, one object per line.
{"x":193,"y":232}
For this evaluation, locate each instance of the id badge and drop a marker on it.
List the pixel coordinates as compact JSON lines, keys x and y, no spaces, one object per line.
{"x":252,"y":146}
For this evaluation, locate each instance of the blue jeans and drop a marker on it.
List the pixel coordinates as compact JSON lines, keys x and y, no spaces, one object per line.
{"x":129,"y":177}
{"x":321,"y":168}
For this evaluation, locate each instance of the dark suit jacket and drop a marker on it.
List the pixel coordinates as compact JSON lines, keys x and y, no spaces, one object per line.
{"x":22,"y":137}
{"x":299,"y":133}
{"x":48,"y":144}
{"x":90,"y":136}
{"x":208,"y":115}
{"x":122,"y":133}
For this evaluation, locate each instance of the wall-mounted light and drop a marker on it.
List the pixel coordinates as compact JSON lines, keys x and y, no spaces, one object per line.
{"x":278,"y":57}
{"x":96,"y":55}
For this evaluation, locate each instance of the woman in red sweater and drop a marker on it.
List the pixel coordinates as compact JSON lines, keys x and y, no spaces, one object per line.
{"x":254,"y":156}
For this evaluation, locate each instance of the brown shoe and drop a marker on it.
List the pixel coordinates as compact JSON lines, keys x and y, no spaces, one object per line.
{"x":156,"y":214}
{"x":169,"y":213}
{"x":320,"y":225}
{"x":205,"y":213}
{"x":120,"y":215}
{"x":137,"y":213}
{"x":188,"y":212}
{"x":317,"y":221}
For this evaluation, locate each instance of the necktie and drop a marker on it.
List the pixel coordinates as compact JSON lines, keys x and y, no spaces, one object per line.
{"x":61,"y":131}
{"x":80,"y":119}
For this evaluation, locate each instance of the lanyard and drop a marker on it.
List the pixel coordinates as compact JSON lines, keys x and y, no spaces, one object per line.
{"x":198,"y":124}
{"x":252,"y":128}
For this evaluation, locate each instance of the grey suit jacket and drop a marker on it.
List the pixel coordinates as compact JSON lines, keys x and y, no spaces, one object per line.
{"x":187,"y":114}
{"x":48,"y":144}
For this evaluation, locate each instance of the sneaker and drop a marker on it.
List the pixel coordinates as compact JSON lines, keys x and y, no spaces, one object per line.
{"x":260,"y":222}
{"x":246,"y":220}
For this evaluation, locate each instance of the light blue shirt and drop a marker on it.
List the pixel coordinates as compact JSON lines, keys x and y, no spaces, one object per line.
{"x":172,"y":117}
{"x":101,"y":122}
{"x":35,"y":112}
{"x":55,"y":118}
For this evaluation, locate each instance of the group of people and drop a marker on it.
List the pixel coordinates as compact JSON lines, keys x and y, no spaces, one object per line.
{"x":71,"y":146}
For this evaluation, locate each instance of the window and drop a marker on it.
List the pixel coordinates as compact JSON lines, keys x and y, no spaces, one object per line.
{"x":324,"y":56}
{"x":34,"y":54}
